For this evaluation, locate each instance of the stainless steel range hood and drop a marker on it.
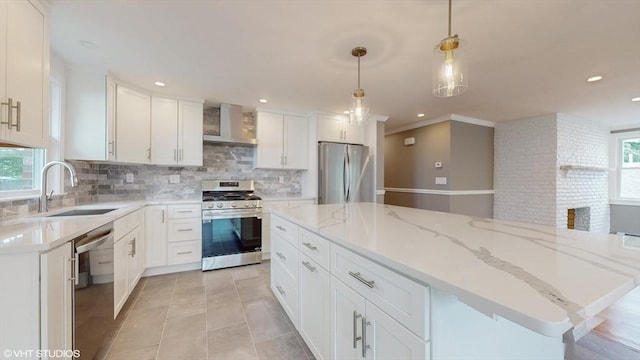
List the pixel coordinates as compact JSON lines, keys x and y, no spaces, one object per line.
{"x":230,"y":127}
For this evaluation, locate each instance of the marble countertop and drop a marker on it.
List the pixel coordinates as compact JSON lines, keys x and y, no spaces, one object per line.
{"x":547,"y":279}
{"x":40,"y":233}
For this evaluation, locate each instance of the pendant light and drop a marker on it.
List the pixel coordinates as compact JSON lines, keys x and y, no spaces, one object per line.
{"x":450,"y":76}
{"x":359,"y":110}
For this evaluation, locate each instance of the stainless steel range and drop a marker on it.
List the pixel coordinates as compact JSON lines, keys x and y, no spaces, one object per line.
{"x":231,"y":224}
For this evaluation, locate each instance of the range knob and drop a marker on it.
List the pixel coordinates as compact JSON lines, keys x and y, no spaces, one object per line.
{"x":254,"y":203}
{"x":247,"y":204}
{"x":210,"y":205}
{"x":219,"y":205}
{"x":233,"y":204}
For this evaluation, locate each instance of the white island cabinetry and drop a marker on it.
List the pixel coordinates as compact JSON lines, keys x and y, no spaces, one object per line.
{"x":416,"y":284}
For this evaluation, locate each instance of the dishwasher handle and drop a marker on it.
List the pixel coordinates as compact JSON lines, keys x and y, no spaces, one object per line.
{"x":91,"y":243}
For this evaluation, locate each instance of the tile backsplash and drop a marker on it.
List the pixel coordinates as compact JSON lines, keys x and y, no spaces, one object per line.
{"x":107,"y":182}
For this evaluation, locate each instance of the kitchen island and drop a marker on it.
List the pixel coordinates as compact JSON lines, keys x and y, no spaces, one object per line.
{"x":492,"y":289}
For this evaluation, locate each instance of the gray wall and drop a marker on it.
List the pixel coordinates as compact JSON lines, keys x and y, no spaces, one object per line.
{"x":466,"y":153}
{"x":625,"y":218}
{"x":413,"y":166}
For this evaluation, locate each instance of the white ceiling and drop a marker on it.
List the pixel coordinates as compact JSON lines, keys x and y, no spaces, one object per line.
{"x":527,"y":57}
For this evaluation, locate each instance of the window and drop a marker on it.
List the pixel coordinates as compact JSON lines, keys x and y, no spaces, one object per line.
{"x":630,"y":168}
{"x":625,"y":157}
{"x":20,"y":171}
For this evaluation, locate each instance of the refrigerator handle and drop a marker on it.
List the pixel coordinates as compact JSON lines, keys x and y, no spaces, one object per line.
{"x":347,"y":174}
{"x":344,"y":176}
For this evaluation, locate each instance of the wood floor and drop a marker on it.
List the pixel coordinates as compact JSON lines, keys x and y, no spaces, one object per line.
{"x":622,"y":322}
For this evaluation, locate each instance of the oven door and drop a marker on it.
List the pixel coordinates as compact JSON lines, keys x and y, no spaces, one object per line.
{"x":234,"y":237}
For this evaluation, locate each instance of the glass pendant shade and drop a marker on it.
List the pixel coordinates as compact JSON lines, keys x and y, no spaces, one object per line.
{"x":450,"y":67}
{"x":359,"y":109}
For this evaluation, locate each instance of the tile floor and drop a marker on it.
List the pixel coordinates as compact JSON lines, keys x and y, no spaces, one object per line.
{"x":222,"y":314}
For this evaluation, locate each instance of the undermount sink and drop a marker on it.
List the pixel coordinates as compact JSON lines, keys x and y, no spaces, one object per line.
{"x":81,"y":212}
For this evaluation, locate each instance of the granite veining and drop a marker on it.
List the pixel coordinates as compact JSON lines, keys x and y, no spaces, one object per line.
{"x":548,"y":279}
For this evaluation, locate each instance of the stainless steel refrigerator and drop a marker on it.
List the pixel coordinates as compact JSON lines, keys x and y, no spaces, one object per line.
{"x":344,"y":173}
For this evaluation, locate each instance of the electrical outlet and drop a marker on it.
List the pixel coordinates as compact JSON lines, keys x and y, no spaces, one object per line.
{"x":281,"y":179}
{"x":441,"y":180}
{"x":129,"y":178}
{"x":438,"y":165}
{"x":174,"y":179}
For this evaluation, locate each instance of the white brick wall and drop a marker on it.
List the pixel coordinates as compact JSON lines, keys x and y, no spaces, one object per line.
{"x":528,"y":183}
{"x":524,"y":170}
{"x":586,"y":143}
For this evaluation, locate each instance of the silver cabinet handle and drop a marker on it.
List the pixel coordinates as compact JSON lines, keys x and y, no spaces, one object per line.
{"x":359,"y":277}
{"x":184,"y":211}
{"x":309,"y":266}
{"x":282,"y":160}
{"x":185,"y":252}
{"x":149,"y":153}
{"x":175,"y":156}
{"x":281,"y":256}
{"x":110,"y":147}
{"x":18,"y":112}
{"x":134,"y":246}
{"x":364,"y":336}
{"x":181,"y":153}
{"x":131,"y":246}
{"x":280,"y":290}
{"x":74,"y":270}
{"x":285,"y":159}
{"x":356,"y":316}
{"x":281,"y":228}
{"x":185,"y":229}
{"x":9,"y":121}
{"x":310,"y":246}
{"x":104,"y":262}
{"x":163,"y":216}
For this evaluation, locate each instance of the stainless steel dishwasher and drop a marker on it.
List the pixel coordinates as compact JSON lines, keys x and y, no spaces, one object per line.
{"x":93,"y":322}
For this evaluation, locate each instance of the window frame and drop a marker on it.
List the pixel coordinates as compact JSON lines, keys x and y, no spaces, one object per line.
{"x":615,"y":160}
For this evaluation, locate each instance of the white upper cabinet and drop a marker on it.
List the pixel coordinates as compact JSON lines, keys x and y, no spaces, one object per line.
{"x":176,"y":132}
{"x":190,"y":133}
{"x":283,"y":141}
{"x":133,"y":126}
{"x":24,"y":73}
{"x":336,"y":128}
{"x":90,"y":121}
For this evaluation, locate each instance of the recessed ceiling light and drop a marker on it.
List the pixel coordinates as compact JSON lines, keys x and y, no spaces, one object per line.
{"x":88,"y":44}
{"x":636,"y":99}
{"x":594,"y":78}
{"x":421,"y":115}
{"x":264,"y":101}
{"x":159,"y":83}
{"x":345,"y":112}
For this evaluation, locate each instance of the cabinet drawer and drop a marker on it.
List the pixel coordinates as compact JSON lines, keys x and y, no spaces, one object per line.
{"x":101,"y":262}
{"x":314,"y":246}
{"x":182,"y":230}
{"x":286,"y":254}
{"x":284,"y":228}
{"x":404,"y":300}
{"x":125,"y":224}
{"x":184,"y":252}
{"x":285,"y":290}
{"x":185,"y":211}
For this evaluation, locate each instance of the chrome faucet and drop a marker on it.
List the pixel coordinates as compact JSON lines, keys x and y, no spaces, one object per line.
{"x":43,"y":177}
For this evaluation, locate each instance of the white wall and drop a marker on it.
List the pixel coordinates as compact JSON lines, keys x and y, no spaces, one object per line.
{"x":585,"y":143}
{"x":524,"y":174}
{"x":530,"y":187}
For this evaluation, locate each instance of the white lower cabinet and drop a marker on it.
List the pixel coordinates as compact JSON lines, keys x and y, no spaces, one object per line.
{"x":127,"y":257}
{"x":155,"y":218}
{"x":184,"y":234}
{"x":56,"y":288}
{"x":314,"y":305}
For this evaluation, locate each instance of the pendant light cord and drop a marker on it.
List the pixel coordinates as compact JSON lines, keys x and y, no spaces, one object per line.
{"x":358,"y":71}
{"x":449,"y":18}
